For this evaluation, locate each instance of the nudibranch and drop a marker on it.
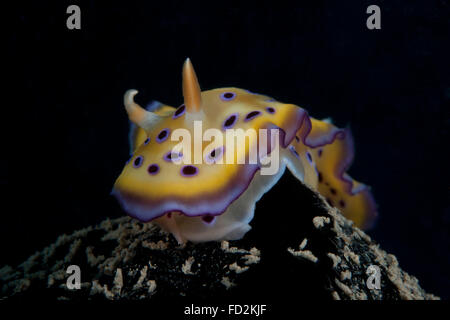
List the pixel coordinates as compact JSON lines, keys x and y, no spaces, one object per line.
{"x":213,"y":196}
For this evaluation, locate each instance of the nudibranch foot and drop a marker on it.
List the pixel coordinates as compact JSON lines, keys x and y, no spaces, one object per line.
{"x":167,"y":223}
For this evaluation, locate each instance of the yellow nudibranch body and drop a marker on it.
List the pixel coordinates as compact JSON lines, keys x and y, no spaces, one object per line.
{"x":214,"y":198}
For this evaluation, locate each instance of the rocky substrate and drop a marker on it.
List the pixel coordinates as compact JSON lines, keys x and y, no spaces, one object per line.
{"x":323,"y":257}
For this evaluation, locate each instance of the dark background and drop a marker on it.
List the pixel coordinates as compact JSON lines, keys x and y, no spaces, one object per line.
{"x":65,"y":130}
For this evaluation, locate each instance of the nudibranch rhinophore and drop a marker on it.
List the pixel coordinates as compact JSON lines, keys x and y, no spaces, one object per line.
{"x":213,"y":196}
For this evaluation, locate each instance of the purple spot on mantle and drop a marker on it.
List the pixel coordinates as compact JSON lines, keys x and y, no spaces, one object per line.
{"x":138,"y":161}
{"x":189,"y":171}
{"x":227,"y":96}
{"x":308,"y":155}
{"x":230,"y":121}
{"x":146,"y":141}
{"x":215,"y":155}
{"x":252,"y":115}
{"x":172,"y":156}
{"x":294,"y":151}
{"x":319,"y":174}
{"x":270,"y":110}
{"x":319,"y":153}
{"x":163,"y":135}
{"x":179,"y":112}
{"x":153,"y":169}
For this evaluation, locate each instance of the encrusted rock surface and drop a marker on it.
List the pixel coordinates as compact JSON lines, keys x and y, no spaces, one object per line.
{"x":126,"y":259}
{"x":123,"y":259}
